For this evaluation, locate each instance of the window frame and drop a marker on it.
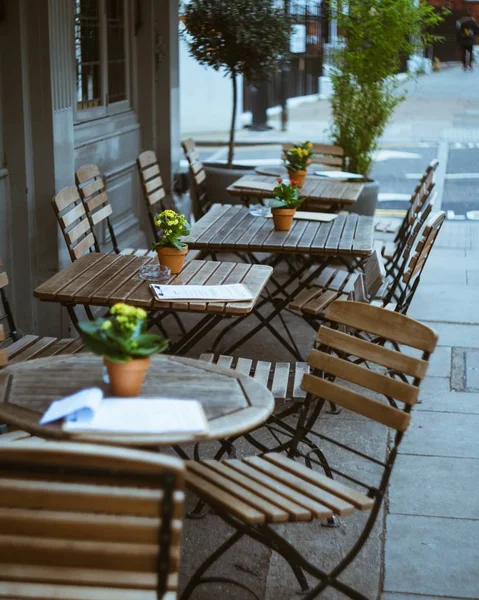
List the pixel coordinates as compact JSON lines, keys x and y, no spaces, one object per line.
{"x":105,"y":109}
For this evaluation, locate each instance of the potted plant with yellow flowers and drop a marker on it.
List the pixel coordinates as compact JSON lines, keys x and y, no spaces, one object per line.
{"x":284,"y":204}
{"x":297,"y":161}
{"x":126,"y":347}
{"x":171,"y":250}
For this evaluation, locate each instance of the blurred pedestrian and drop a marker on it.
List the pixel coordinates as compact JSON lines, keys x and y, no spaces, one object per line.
{"x":467,"y":28}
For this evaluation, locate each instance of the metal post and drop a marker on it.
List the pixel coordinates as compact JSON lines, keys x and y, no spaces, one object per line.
{"x":284,"y":84}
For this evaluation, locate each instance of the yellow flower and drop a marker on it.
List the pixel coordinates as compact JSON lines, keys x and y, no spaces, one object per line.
{"x":309,"y":145}
{"x":106,"y":326}
{"x":140,"y":313}
{"x":118,"y":308}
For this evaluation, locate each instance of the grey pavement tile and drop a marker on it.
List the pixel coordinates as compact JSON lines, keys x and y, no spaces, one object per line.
{"x":442,"y":434}
{"x":440,"y":363}
{"x":449,"y":304}
{"x":432,"y":386}
{"x":472,"y":369}
{"x":456,"y":334}
{"x":426,"y":555}
{"x":472,"y":277}
{"x":435,"y":487}
{"x":450,"y":276}
{"x":455,"y":402}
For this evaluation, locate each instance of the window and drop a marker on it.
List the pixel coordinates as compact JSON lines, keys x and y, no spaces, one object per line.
{"x":101,"y":45}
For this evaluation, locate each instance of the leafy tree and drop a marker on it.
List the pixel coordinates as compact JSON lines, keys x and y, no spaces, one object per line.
{"x":377,"y":34}
{"x":244,"y":37}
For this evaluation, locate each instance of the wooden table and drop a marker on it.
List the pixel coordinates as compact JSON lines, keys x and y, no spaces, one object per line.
{"x":233,"y":403}
{"x":98,"y":279}
{"x":318,"y":193}
{"x":233,"y":229}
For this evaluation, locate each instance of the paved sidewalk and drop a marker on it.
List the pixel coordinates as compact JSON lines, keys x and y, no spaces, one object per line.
{"x":440,"y":106}
{"x":432,"y":525}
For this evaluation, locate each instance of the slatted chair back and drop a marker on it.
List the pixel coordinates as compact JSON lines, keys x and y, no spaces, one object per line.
{"x":92,"y":190}
{"x":74,"y":223}
{"x":403,"y":282}
{"x":152,"y":185}
{"x":420,"y":195}
{"x":85,"y":521}
{"x":201,"y":203}
{"x":3,"y":353}
{"x":324,"y":154}
{"x":366,"y":285}
{"x":372,"y":380}
{"x":416,"y":258}
{"x":411,"y":231}
{"x":7,"y":321}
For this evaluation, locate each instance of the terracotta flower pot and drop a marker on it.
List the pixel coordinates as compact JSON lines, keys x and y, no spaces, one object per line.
{"x":173,"y":258}
{"x":298,"y":176}
{"x":127,"y":378}
{"x":283,"y":218}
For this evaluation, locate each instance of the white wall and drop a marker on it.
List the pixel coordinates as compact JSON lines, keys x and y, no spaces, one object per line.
{"x":205,"y":97}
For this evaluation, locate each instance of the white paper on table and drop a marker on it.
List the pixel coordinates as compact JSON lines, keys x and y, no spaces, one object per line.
{"x":305,"y":215}
{"x":255,"y":185}
{"x":139,"y":415}
{"x":81,"y":405}
{"x":338,"y":175}
{"x":235,"y":292}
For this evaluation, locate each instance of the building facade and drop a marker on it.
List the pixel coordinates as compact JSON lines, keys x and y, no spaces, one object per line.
{"x":81,"y":81}
{"x":447,"y":50}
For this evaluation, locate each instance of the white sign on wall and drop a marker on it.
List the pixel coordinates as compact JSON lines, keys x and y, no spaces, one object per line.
{"x":297,"y":44}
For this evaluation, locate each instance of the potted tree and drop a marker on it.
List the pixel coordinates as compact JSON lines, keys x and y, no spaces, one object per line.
{"x":244,"y":37}
{"x":284,"y":204}
{"x":366,"y":91}
{"x":125,"y":345}
{"x":170,"y":249}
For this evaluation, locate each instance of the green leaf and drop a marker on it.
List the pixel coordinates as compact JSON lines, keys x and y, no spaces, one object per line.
{"x":276,"y":203}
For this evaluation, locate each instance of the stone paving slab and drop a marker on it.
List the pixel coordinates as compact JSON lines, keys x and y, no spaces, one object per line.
{"x":450,"y":402}
{"x":432,"y":386}
{"x":472,"y":369}
{"x":456,"y":334}
{"x":441,"y":302}
{"x":442,"y":434}
{"x":434,"y":556}
{"x":435,"y":487}
{"x":440,"y":363}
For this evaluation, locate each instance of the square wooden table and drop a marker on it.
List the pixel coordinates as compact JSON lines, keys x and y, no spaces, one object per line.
{"x":98,"y":279}
{"x":318,"y":193}
{"x":233,"y":229}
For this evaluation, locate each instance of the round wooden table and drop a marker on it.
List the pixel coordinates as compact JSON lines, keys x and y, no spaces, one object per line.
{"x":233,"y":403}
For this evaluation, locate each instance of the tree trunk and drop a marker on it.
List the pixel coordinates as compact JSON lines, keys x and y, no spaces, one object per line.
{"x":231,"y":146}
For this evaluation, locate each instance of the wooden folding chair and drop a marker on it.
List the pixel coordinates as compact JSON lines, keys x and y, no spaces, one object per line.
{"x":85,"y":522}
{"x":336,"y":284}
{"x":92,"y":190}
{"x":152,"y":185}
{"x":254,"y":493}
{"x":327,"y":155}
{"x":19,"y":347}
{"x":401,"y":287}
{"x":420,"y":194}
{"x":201,"y":203}
{"x":154,"y":193}
{"x":74,"y":223}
